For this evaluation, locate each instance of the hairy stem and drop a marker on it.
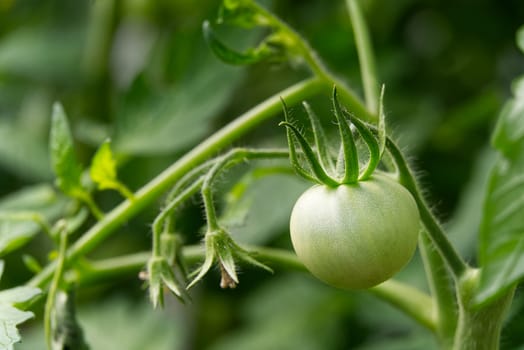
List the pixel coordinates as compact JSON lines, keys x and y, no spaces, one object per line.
{"x":156,"y":187}
{"x":456,"y":265}
{"x":411,"y":301}
{"x":229,"y":159}
{"x":479,"y":328}
{"x":318,"y":68}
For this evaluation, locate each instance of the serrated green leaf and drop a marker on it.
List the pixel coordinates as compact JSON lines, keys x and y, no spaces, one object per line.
{"x":67,"y":169}
{"x":40,"y":200}
{"x":10,"y":316}
{"x":103,"y":167}
{"x":134,"y":325}
{"x":501,"y":251}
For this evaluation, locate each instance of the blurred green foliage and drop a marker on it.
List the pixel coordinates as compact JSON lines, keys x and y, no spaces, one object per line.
{"x":139,"y":72}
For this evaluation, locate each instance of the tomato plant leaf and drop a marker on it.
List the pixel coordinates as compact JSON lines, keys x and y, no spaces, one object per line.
{"x":103,"y":167}
{"x":103,"y":170}
{"x":67,"y":169}
{"x":19,"y":210}
{"x":11,"y":316}
{"x":501,"y":251}
{"x":170,"y":114}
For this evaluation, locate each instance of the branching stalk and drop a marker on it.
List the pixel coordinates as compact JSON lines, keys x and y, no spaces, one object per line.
{"x":156,"y":187}
{"x":406,"y":298}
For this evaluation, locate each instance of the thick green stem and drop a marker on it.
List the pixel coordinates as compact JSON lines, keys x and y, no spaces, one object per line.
{"x":441,"y":288}
{"x":456,"y":265}
{"x":479,"y":329}
{"x":156,"y":187}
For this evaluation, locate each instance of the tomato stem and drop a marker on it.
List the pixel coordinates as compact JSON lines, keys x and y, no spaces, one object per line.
{"x":366,"y":58}
{"x":55,"y":284}
{"x":457,"y":266}
{"x":232,"y":157}
{"x":157,"y":186}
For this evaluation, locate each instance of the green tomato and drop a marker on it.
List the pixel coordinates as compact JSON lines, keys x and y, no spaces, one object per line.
{"x":358,"y":235}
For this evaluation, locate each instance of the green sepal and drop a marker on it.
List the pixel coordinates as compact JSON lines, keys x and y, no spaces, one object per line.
{"x":382,"y":135}
{"x":320,"y":139}
{"x":220,"y":247}
{"x":351,"y":165}
{"x":170,"y":249}
{"x":292,"y":149}
{"x":371,"y":142}
{"x":160,"y":274}
{"x":230,"y":56}
{"x":316,"y":167}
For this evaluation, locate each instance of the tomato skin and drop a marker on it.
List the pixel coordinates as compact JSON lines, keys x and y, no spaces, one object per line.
{"x":358,"y":235}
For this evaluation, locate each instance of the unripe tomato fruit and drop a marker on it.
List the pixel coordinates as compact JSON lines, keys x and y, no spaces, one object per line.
{"x":358,"y":235}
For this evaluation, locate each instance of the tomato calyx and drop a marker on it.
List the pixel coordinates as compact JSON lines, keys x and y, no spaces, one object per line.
{"x":222,"y":249}
{"x":316,"y":162}
{"x":166,"y":271}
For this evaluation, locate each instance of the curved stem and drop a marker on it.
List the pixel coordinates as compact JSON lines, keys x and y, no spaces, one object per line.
{"x":158,"y":224}
{"x":456,"y":265}
{"x":411,"y":301}
{"x":152,"y":190}
{"x":319,"y":69}
{"x":230,"y":158}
